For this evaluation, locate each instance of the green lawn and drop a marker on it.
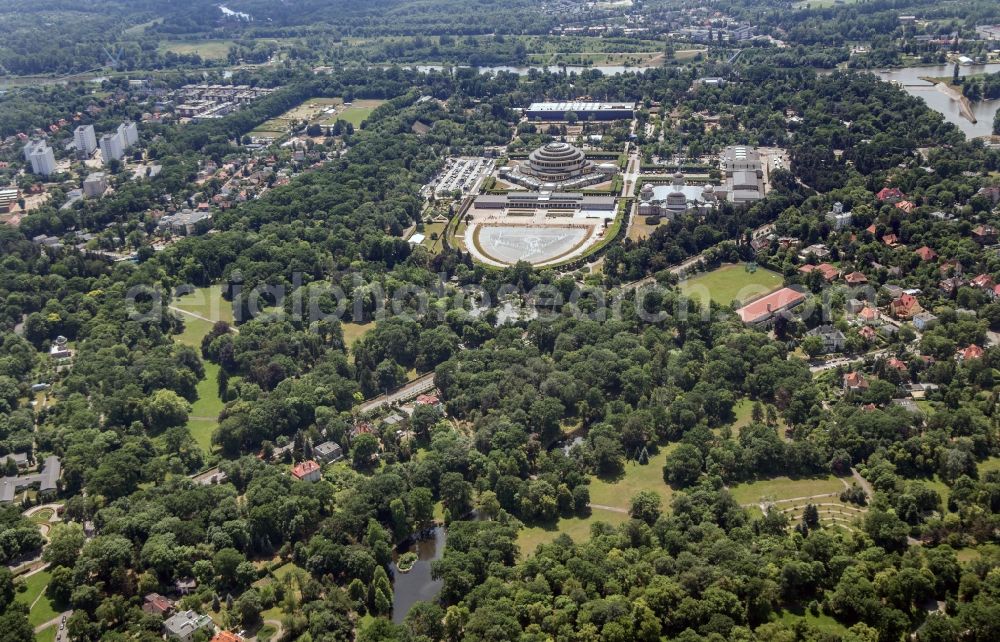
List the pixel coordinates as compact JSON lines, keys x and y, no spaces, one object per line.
{"x":615,"y":493}
{"x":822,"y":622}
{"x":358,"y":111}
{"x":354,"y":331}
{"x":42,"y":611}
{"x":42,"y":516}
{"x":206,"y":302}
{"x":636,"y":477}
{"x":780,"y":488}
{"x":48,"y":634}
{"x":989,"y":465}
{"x":730,"y":283}
{"x":207,"y":49}
{"x":529,"y":538}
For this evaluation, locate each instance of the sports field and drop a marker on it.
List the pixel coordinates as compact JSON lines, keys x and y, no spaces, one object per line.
{"x":731,"y":283}
{"x":355,"y":113}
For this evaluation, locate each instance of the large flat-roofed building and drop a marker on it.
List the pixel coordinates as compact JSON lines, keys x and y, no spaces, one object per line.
{"x":744,"y":174}
{"x":763,"y":310}
{"x":583,"y":111}
{"x":573,"y":203}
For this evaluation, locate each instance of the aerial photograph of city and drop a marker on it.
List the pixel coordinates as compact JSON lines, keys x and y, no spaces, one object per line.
{"x":500,"y":320}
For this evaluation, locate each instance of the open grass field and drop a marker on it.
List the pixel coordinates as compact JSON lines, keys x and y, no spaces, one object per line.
{"x":618,"y":492}
{"x":823,"y":622}
{"x":783,"y":488}
{"x":42,"y":611}
{"x":314,"y":110}
{"x":614,"y":493}
{"x":432,"y":244}
{"x":354,"y":331}
{"x":48,"y":634}
{"x":207,"y":49}
{"x":208,"y":303}
{"x":989,"y":465}
{"x":356,"y":112}
{"x":576,"y":527}
{"x":730,"y":283}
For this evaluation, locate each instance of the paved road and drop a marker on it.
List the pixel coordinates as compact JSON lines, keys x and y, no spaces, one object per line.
{"x":412,"y":389}
{"x":55,"y":622}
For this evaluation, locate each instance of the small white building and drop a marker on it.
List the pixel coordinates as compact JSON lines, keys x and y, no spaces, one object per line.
{"x":838,"y":218}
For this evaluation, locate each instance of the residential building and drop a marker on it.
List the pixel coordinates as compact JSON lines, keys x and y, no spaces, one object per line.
{"x":855,"y":382}
{"x":95,"y":185}
{"x":129,"y":134}
{"x":828,"y":271}
{"x":905,"y":307}
{"x":890,"y":195}
{"x":185,"y":222}
{"x":308,"y":471}
{"x":984,"y":234}
{"x":819,"y":251}
{"x":185,"y":586}
{"x":833,"y":339}
{"x":182,"y":626}
{"x":926,"y":254}
{"x":156,"y":604}
{"x":855,"y":279}
{"x":8,"y":199}
{"x":226,"y":636}
{"x":869,"y":316}
{"x":47,"y":481}
{"x":838,"y":218}
{"x":763,"y":310}
{"x":969,"y":353}
{"x":20,"y":459}
{"x":328,"y":451}
{"x":112,"y":147}
{"x":39,"y":154}
{"x":85,"y":141}
{"x":924,"y":321}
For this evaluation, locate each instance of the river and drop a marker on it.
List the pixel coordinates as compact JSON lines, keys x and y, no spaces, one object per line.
{"x":939,"y":101}
{"x":418,"y":585}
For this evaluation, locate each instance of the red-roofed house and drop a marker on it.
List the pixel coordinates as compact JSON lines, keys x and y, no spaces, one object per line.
{"x":897,"y":364}
{"x":762,"y":310}
{"x":856,"y":278}
{"x":970,"y":353}
{"x":226,"y":636}
{"x":307,"y":471}
{"x":868,"y":333}
{"x":156,"y":604}
{"x":868,"y":316}
{"x":983,"y":282}
{"x":871,"y":229}
{"x":828,"y":271}
{"x":890,"y":195}
{"x":906,"y":206}
{"x":891,"y":240}
{"x":926,"y":254}
{"x":855,"y":382}
{"x":905,"y":307}
{"x":428,"y":400}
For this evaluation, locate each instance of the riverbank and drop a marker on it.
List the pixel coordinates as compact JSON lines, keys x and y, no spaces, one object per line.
{"x":964,"y":104}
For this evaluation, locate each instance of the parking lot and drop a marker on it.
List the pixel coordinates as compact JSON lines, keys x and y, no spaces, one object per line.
{"x":462,"y":175}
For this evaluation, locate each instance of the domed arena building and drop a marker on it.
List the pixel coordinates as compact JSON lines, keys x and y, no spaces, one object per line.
{"x":557,"y":165}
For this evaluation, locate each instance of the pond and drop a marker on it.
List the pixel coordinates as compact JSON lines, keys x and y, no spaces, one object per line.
{"x":938,"y":100}
{"x":417,"y":585}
